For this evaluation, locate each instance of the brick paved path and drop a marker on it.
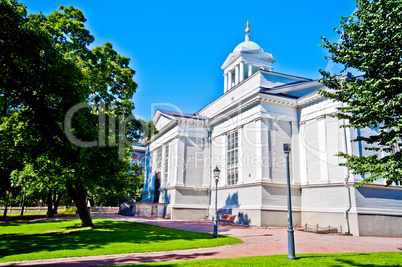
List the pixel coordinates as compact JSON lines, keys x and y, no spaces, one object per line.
{"x":257,"y":242}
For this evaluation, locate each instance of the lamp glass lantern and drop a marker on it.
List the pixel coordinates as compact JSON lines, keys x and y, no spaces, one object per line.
{"x":286,"y":148}
{"x":217,"y":173}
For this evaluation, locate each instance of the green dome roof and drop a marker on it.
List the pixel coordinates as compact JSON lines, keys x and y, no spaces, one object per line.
{"x":248,"y":44}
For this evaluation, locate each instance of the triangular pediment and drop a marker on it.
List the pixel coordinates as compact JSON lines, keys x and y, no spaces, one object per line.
{"x":160,"y":120}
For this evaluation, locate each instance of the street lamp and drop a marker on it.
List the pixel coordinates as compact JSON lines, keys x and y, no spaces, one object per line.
{"x":291,"y":241}
{"x":216,"y":176}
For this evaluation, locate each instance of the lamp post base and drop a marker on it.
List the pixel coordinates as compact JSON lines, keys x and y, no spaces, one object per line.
{"x":291,"y":245}
{"x":215,"y":229}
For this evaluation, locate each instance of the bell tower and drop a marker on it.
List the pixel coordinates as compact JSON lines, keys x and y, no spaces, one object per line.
{"x":246,"y":59}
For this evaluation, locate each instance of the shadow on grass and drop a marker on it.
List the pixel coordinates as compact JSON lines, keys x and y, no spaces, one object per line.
{"x":163,"y":259}
{"x":71,"y":237}
{"x":343,"y":255}
{"x":344,"y":259}
{"x":354,"y":263}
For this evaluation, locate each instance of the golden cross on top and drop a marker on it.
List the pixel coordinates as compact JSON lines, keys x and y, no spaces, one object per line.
{"x":247,"y":30}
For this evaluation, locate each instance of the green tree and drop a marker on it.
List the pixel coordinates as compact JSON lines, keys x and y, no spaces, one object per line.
{"x":148,"y":130}
{"x":44,"y":178}
{"x":371,"y":42}
{"x":128,"y":187}
{"x":47,"y":68}
{"x":13,"y":136}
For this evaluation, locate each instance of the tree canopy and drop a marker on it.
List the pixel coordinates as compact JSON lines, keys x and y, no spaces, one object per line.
{"x":371,"y":42}
{"x":48,"y":68}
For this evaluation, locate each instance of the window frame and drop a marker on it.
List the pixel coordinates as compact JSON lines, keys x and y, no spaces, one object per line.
{"x":166,"y":163}
{"x":232,"y":160}
{"x":159,"y":158}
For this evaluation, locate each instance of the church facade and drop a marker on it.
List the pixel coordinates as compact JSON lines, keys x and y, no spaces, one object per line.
{"x":242,"y":132}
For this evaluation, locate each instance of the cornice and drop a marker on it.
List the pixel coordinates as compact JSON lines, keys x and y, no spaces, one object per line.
{"x":234,"y":56}
{"x":278,"y":100}
{"x":270,"y":60}
{"x":308,"y":99}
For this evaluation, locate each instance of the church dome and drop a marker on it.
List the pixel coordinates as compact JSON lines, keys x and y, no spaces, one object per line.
{"x":248,"y":45}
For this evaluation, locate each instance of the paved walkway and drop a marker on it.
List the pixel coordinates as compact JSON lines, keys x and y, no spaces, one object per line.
{"x":257,"y":242}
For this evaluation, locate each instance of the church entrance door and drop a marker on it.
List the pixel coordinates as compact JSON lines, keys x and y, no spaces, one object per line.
{"x":157,"y":185}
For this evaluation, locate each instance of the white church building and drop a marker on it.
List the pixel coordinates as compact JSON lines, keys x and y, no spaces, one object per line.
{"x":242,"y":132}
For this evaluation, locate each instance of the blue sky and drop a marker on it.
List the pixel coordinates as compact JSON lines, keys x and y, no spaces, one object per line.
{"x":178,"y":47}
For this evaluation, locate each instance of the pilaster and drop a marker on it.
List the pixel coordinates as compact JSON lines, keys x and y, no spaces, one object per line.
{"x":295,"y":160}
{"x":207,"y":164}
{"x":322,"y":145}
{"x":303,"y":153}
{"x":262,"y":151}
{"x":179,"y":161}
{"x":240,"y":153}
{"x":163,"y":174}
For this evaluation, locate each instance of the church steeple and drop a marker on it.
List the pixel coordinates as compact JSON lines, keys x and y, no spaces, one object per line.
{"x":246,"y":59}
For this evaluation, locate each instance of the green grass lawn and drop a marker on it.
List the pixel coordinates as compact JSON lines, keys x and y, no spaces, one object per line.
{"x":343,"y":259}
{"x":59,"y":239}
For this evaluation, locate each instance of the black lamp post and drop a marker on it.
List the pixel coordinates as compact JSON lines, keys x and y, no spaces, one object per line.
{"x":291,"y":241}
{"x":216,"y":176}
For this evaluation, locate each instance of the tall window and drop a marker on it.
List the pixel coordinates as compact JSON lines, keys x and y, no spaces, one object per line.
{"x":166,"y":162}
{"x":159,"y":158}
{"x":232,"y":158}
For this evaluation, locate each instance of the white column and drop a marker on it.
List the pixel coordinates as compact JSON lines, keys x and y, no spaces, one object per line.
{"x":261,"y":144}
{"x":225,"y":82}
{"x":322,"y":153}
{"x":207,"y":163}
{"x":179,"y":146}
{"x":242,"y":169}
{"x":241,"y":71}
{"x":258,"y":149}
{"x":230,"y":80}
{"x":163,"y":175}
{"x":295,"y":160}
{"x":250,"y":70}
{"x":303,"y":154}
{"x":237,"y":74}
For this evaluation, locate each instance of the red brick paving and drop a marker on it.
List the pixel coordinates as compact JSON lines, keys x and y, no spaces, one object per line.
{"x":257,"y":242}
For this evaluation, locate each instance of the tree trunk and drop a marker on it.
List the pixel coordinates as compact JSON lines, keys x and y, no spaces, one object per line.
{"x":5,"y":206}
{"x":79,"y":195}
{"x":49,"y":204}
{"x":23,"y":205}
{"x":56,"y":202}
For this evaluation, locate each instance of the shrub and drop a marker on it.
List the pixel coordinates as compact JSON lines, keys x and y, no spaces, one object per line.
{"x":69,"y":211}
